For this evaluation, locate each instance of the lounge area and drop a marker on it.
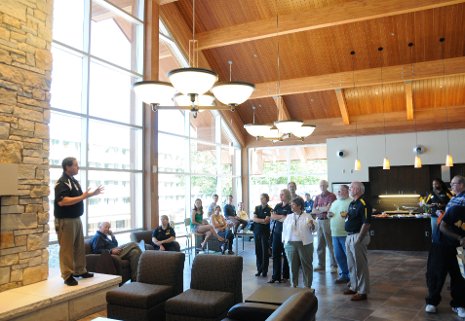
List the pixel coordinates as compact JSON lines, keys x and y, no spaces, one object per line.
{"x":232,"y":160}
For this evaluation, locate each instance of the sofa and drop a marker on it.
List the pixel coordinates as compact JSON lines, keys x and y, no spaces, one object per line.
{"x":106,"y":263}
{"x":301,"y":306}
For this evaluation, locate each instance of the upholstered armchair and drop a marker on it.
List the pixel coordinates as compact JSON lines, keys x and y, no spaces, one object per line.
{"x":159,"y":277}
{"x":216,"y":285}
{"x":106,"y":263}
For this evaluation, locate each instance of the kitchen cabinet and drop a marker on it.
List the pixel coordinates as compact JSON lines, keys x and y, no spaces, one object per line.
{"x":402,"y":179}
{"x":400,"y":234}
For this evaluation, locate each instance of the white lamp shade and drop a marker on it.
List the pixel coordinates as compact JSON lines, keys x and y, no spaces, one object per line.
{"x":154,"y":92}
{"x":257,"y":130}
{"x":357,"y":165}
{"x":273,"y":133}
{"x":417,"y":163}
{"x":303,"y":131}
{"x":449,"y":160}
{"x":386,"y":164}
{"x":201,"y":100}
{"x":288,"y":126}
{"x":233,"y":93}
{"x":192,"y":80}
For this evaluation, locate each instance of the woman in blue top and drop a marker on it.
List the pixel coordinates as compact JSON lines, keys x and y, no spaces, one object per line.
{"x":201,"y":226}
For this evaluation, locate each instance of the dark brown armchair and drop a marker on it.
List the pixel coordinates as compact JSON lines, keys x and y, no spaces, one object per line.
{"x":106,"y":263}
{"x":159,"y":277}
{"x":216,"y":285}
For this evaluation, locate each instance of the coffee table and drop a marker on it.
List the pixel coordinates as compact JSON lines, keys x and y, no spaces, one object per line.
{"x":273,"y":295}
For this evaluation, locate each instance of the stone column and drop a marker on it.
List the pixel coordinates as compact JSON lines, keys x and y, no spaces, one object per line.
{"x":25,"y":75}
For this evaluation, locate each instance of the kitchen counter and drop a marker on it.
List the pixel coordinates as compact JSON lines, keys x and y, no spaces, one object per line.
{"x":400,"y":234}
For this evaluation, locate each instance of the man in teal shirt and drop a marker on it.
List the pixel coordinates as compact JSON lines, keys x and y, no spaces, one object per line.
{"x":337,"y":214}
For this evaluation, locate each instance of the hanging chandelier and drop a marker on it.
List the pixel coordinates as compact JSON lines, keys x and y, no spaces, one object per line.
{"x":282,"y":128}
{"x":189,"y":86}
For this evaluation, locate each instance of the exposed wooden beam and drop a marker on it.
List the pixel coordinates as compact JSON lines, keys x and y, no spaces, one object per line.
{"x":283,"y":111}
{"x":409,"y":100}
{"x":316,"y":18}
{"x":341,"y":100}
{"x":181,"y":32}
{"x":366,"y":77}
{"x":163,"y":2}
{"x":372,"y":124}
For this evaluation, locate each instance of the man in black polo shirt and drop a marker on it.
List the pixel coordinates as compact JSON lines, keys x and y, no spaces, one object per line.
{"x":69,"y":206}
{"x":357,"y":224}
{"x":442,"y":260}
{"x":261,"y":234}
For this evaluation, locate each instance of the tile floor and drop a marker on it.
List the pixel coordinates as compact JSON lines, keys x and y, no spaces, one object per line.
{"x":397,"y":289}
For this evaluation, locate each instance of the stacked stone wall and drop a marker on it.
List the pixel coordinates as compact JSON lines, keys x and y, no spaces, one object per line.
{"x":25,"y":76}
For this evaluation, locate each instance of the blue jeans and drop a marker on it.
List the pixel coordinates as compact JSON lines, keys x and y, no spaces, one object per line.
{"x":339,"y":245}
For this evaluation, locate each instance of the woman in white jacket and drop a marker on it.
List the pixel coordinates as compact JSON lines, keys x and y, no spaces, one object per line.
{"x":298,"y":242}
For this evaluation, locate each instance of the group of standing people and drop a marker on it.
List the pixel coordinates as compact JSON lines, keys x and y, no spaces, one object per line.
{"x":342,"y":222}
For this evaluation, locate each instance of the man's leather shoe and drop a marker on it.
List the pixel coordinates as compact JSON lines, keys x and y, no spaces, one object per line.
{"x":84,"y":275}
{"x":359,"y":297}
{"x":70,"y":281}
{"x":349,"y":292}
{"x":340,"y":281}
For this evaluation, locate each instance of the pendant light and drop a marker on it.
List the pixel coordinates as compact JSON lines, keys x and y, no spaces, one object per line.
{"x":357,"y":164}
{"x":192,"y":85}
{"x":449,"y":158}
{"x":282,"y":128}
{"x":254,"y":129}
{"x":386,"y":162}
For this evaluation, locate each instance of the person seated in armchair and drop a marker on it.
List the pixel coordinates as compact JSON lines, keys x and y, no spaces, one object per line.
{"x":221,"y":226}
{"x":163,"y":237}
{"x":232,"y":217}
{"x":105,"y":242}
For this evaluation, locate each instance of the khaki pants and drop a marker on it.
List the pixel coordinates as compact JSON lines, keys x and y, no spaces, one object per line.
{"x":72,"y":251}
{"x":357,"y":261}
{"x":300,"y":256}
{"x":325,"y":239}
{"x":131,"y":252}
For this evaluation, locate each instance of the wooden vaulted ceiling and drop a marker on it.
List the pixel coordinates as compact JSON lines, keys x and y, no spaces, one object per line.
{"x":398,"y":89}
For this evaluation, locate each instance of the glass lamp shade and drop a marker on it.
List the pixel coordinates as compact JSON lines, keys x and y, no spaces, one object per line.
{"x":200,"y":100}
{"x":417,"y":163}
{"x":192,"y":80}
{"x":257,"y":130}
{"x":273,"y":133}
{"x":303,"y":131}
{"x":357,"y":165}
{"x":288,"y":126}
{"x":233,"y":93}
{"x":449,"y":160}
{"x":154,"y":92}
{"x":386,"y":164}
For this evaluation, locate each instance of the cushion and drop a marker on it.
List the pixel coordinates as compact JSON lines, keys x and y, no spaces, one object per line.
{"x":198,"y":303}
{"x":140,"y":295}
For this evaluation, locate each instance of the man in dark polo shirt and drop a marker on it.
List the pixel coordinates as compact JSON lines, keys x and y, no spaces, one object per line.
{"x":357,"y":225}
{"x":69,"y":207}
{"x":442,"y":260}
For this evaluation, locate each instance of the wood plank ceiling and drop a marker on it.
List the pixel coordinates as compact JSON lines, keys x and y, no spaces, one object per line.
{"x":393,"y":90}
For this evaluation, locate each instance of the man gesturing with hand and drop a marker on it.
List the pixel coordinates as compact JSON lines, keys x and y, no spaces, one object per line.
{"x":68,"y":208}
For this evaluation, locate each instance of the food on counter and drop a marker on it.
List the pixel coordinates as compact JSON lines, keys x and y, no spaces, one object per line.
{"x":383,"y":215}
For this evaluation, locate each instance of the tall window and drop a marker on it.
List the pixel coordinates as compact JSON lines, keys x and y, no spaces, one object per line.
{"x":197,"y":157}
{"x":271,"y":168}
{"x":97,"y":56}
